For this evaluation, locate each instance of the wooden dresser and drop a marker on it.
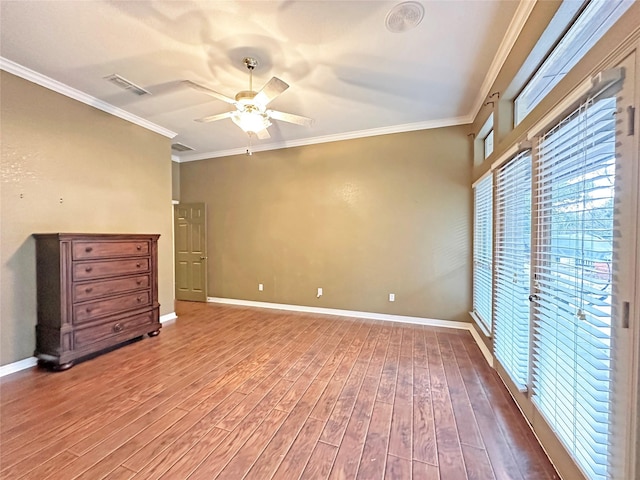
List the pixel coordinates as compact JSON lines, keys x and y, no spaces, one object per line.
{"x":94,"y":291}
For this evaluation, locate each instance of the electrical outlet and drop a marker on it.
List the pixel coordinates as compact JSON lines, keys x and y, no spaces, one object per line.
{"x":260,"y":287}
{"x":392,"y":297}
{"x":319,"y":292}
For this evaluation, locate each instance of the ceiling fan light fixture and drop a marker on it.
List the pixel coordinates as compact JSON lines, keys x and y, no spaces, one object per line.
{"x":251,"y":120}
{"x":404,"y":16}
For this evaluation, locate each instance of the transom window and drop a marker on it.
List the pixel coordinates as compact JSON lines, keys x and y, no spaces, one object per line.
{"x":594,"y":21}
{"x":488,"y":144}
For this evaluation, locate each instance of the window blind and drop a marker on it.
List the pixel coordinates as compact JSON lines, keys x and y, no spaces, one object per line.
{"x":572,"y":328}
{"x":512,"y":260}
{"x":482,"y":250}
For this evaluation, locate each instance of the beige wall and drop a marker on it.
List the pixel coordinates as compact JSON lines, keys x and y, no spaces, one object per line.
{"x":68,"y":167}
{"x":175,"y":180}
{"x":359,"y":218}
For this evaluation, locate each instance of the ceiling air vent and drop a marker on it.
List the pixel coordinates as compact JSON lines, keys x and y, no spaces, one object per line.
{"x":127,"y":85}
{"x":180,"y":147}
{"x":404,"y":16}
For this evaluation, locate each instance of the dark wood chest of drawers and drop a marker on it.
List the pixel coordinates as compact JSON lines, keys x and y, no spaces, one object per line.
{"x":94,"y":291}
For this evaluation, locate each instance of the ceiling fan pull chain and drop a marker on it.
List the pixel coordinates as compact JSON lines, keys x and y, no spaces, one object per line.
{"x":249,"y":150}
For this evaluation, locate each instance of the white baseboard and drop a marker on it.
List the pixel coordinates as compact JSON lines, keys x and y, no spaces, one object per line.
{"x":432,"y":322}
{"x":488,"y":356}
{"x":344,"y":313}
{"x":169,"y":317}
{"x":32,"y":361}
{"x":483,"y":346}
{"x":17,"y":366}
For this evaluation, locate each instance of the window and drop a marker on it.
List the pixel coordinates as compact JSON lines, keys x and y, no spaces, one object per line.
{"x":512,"y":261}
{"x":572,"y":327}
{"x":482,"y":251}
{"x":588,"y":28}
{"x":484,"y":144}
{"x":488,"y":144}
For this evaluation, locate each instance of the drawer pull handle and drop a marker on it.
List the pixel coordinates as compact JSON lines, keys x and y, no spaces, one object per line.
{"x":88,"y":249}
{"x":88,"y":269}
{"x":139,"y":247}
{"x":139,"y":299}
{"x":89,"y":310}
{"x":88,"y":289}
{"x":117,"y":328}
{"x":138,"y":264}
{"x":139,"y":282}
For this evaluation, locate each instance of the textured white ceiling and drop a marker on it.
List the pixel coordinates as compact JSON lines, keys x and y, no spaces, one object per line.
{"x":346,"y":71}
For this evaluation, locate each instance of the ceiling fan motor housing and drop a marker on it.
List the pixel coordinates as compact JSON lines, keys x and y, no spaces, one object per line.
{"x":245,"y":96}
{"x":250,"y":62}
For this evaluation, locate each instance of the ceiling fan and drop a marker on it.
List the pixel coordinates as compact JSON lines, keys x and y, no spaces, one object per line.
{"x":251,"y":113}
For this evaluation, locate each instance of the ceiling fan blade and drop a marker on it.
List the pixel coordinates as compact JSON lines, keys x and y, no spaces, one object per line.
{"x":263,"y":134}
{"x":213,"y":118}
{"x":271,"y":90}
{"x":209,"y":92}
{"x":290,"y":117}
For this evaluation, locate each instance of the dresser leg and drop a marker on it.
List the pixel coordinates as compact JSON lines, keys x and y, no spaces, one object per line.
{"x":55,"y":367}
{"x":61,"y":367}
{"x":155,"y":333}
{"x":44,"y":364}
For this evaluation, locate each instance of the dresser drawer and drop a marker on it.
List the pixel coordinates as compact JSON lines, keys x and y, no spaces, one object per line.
{"x":97,"y":333}
{"x":85,"y":312}
{"x":106,"y":268}
{"x":100,"y":288}
{"x":82,"y":250}
{"x":95,"y":291}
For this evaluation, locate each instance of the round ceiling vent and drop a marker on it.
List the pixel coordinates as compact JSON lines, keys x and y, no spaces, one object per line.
{"x":404,"y":16}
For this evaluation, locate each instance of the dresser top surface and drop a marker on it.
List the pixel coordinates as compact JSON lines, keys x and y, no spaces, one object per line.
{"x":95,"y":236}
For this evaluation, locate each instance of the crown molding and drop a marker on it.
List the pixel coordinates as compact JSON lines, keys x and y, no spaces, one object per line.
{"x":63,"y":89}
{"x":508,"y":41}
{"x":515,"y":27}
{"x":407,"y":127}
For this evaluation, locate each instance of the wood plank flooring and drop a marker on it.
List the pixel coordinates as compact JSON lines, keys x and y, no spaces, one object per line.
{"x":238,"y":393}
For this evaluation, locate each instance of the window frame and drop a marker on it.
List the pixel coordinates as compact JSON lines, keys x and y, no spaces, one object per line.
{"x":487,"y":143}
{"x":566,"y":155}
{"x":482,"y":311}
{"x":513,"y":211}
{"x":575,"y":14}
{"x":606,"y":83}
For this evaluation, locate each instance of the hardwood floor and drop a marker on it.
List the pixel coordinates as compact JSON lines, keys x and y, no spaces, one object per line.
{"x":231,"y":393}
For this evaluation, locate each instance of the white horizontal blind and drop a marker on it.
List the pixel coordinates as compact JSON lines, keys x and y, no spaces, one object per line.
{"x":572,"y":328}
{"x":482,"y":249}
{"x":512,"y":260}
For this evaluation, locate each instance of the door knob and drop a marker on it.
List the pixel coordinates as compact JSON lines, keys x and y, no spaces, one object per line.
{"x":533,"y":297}
{"x":203,"y":258}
